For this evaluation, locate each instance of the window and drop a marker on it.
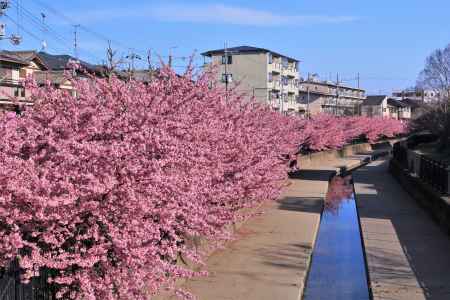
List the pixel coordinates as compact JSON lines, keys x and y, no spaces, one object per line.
{"x":227,"y":77}
{"x":270,"y":78}
{"x":227,"y":60}
{"x":285,"y":62}
{"x":22,"y":73}
{"x":270,"y":58}
{"x":19,"y":91}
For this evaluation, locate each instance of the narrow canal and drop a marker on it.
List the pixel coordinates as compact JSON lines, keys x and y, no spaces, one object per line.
{"x":338,"y":267}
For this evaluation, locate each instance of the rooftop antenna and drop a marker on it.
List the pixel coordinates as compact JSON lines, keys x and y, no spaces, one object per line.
{"x":170,"y":55}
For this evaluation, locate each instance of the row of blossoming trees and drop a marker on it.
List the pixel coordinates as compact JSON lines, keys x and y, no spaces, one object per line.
{"x":105,"y":189}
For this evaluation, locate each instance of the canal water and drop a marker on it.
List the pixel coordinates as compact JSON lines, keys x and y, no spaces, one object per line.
{"x":338,"y":266}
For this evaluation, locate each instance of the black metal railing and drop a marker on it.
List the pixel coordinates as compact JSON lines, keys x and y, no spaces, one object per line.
{"x":11,"y":288}
{"x":434,"y":173}
{"x":400,"y":154}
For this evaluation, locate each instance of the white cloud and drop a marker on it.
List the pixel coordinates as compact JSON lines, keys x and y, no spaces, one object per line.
{"x":220,"y":13}
{"x":211,"y":14}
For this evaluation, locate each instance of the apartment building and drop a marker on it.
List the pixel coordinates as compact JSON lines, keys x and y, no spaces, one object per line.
{"x":416,"y":94}
{"x":317,"y":96}
{"x":270,"y":77}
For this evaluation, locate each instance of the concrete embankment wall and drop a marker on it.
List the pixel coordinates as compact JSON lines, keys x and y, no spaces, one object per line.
{"x":307,"y":160}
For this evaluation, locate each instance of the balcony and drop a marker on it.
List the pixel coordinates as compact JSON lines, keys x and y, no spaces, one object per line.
{"x":275,"y":68}
{"x":10,"y":82}
{"x":274,"y":85}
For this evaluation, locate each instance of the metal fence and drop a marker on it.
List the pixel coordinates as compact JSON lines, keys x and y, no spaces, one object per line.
{"x":431,"y":171}
{"x":434,"y":173}
{"x":12,"y":289}
{"x":400,"y":154}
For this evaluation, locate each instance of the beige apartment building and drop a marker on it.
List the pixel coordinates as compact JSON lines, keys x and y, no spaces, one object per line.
{"x":317,"y":96}
{"x":270,"y":77}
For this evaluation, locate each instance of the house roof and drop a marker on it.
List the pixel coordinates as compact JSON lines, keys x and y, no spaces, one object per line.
{"x":25,"y":57}
{"x":397,"y":103}
{"x":412,"y":102}
{"x":331,"y":84}
{"x":12,"y":59}
{"x":374,"y":100}
{"x":244,"y":50}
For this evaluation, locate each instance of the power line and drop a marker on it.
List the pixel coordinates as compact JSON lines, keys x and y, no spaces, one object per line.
{"x":47,"y":29}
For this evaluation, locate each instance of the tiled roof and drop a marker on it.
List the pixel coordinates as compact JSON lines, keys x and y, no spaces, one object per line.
{"x":243,"y":50}
{"x":374,"y":100}
{"x":24,"y":57}
{"x":412,"y":102}
{"x":395,"y":102}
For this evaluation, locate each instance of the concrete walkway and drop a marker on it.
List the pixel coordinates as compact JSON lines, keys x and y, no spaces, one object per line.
{"x":270,"y":256}
{"x":408,"y":255}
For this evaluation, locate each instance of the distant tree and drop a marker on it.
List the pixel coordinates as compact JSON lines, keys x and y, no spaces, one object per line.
{"x":436,"y":76}
{"x":436,"y":73}
{"x":112,"y":62}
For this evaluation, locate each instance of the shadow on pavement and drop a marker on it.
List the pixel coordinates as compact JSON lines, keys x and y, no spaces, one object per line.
{"x":301,"y":204}
{"x":425,"y":246}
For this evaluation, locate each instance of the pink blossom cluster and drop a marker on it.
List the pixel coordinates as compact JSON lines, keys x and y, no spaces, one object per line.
{"x":325,"y":132}
{"x":105,"y":187}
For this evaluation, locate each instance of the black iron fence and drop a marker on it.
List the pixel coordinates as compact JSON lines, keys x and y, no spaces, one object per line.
{"x":431,"y":171}
{"x":400,"y":154}
{"x":434,"y":173}
{"x":12,"y":289}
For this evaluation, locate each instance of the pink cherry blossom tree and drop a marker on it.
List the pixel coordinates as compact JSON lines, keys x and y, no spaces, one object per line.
{"x":105,"y":188}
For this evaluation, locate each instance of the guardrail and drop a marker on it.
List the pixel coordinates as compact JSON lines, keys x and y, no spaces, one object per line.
{"x":434,"y":173}
{"x":12,"y":289}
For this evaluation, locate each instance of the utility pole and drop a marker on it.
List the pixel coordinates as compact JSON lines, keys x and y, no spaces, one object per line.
{"x":170,"y":55}
{"x":337,"y":93}
{"x":75,"y":40}
{"x":132,"y":57}
{"x":308,"y":99}
{"x":282,"y":91}
{"x":225,"y":53}
{"x":358,"y":78}
{"x":44,"y":42}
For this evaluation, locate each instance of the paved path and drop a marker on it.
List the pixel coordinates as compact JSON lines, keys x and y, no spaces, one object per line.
{"x":408,"y":255}
{"x":270,"y":256}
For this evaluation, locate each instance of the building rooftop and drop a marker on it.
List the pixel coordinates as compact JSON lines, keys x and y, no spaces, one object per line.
{"x":21,"y":57}
{"x":374,"y":100}
{"x":245,"y":50}
{"x":412,"y":102}
{"x":329,"y":83}
{"x":395,"y":102}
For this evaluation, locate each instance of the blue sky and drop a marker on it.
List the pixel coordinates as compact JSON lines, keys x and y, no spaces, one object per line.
{"x":385,"y":41}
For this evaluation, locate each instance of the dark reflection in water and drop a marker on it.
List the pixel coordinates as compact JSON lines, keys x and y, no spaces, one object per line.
{"x":338,"y":269}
